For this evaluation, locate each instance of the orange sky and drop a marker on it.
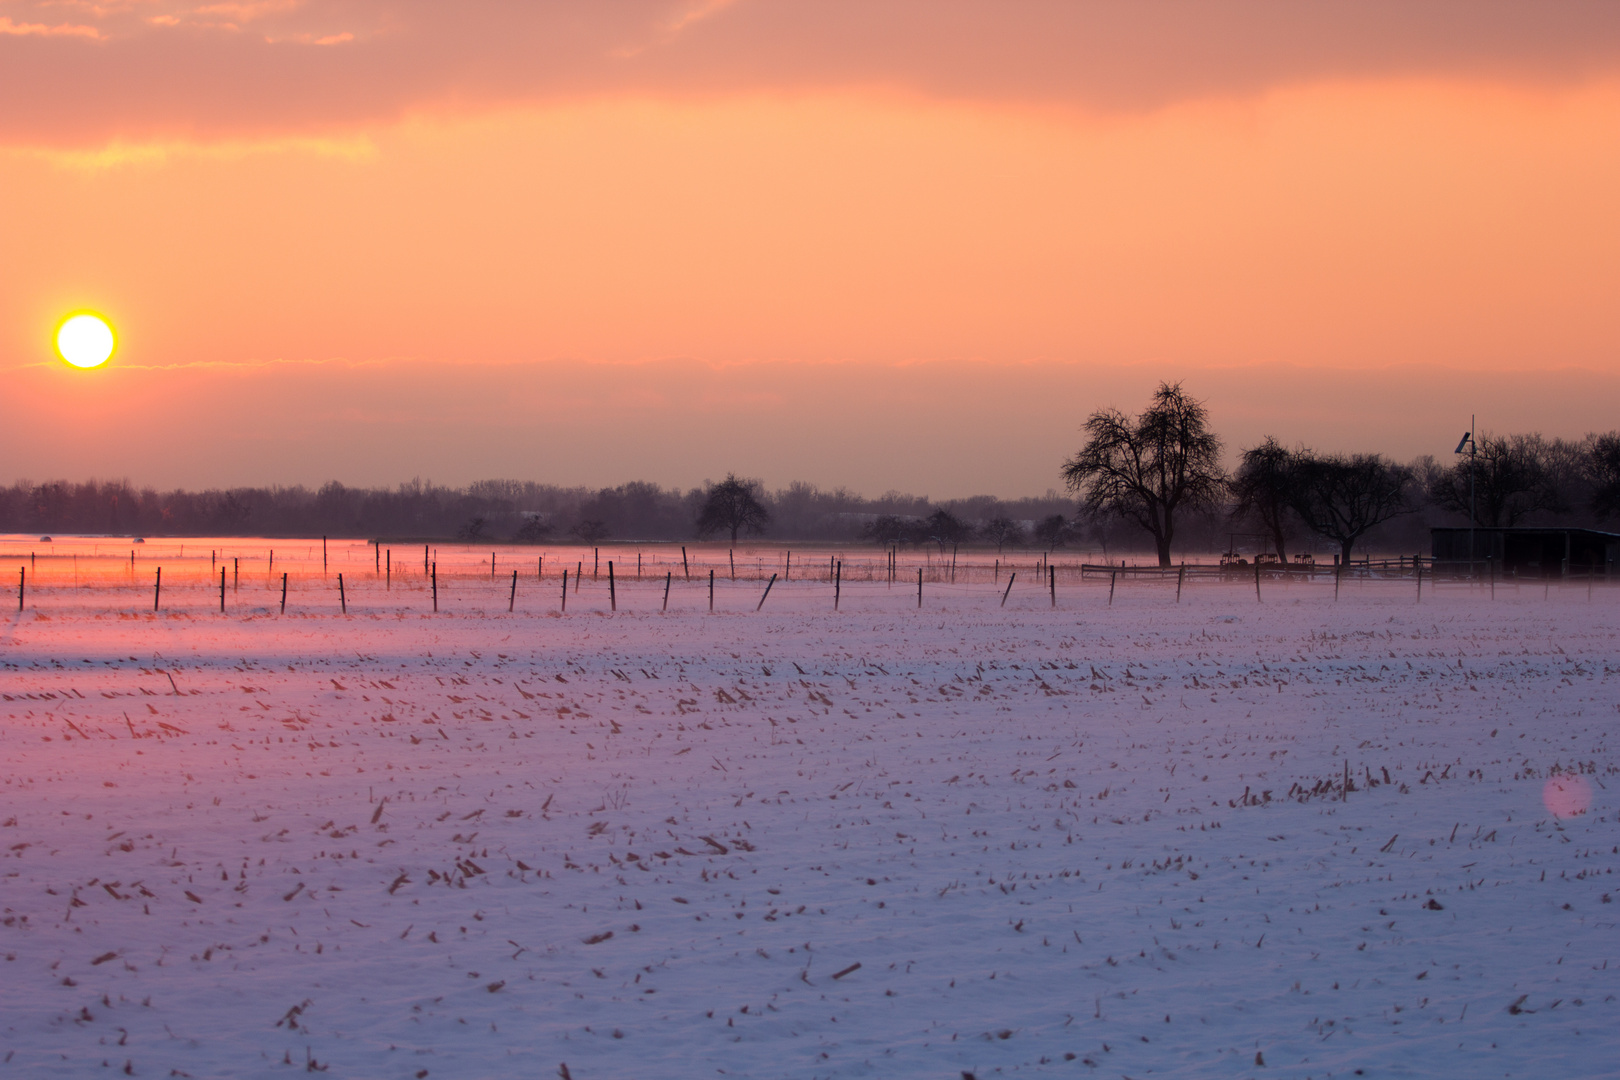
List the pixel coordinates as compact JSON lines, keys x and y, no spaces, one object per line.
{"x":885,"y":245}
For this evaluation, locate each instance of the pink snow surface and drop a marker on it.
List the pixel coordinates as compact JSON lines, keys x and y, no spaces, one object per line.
{"x":1079,"y":840}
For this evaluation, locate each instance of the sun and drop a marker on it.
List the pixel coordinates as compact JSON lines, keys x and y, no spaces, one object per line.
{"x":85,"y":340}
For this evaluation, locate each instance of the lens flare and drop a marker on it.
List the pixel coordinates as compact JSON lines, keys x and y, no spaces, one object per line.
{"x":85,"y":340}
{"x":1567,"y":795}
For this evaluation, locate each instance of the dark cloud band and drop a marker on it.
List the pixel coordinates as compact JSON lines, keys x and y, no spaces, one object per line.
{"x":75,"y":75}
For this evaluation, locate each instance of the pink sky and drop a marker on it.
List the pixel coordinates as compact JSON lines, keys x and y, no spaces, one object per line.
{"x":885,"y":245}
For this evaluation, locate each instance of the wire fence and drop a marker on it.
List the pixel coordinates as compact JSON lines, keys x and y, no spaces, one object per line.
{"x":351,"y":576}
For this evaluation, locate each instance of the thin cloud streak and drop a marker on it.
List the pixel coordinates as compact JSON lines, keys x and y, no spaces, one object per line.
{"x":163,"y":70}
{"x":12,"y":29}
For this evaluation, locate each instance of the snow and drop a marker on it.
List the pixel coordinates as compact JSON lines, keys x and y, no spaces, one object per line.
{"x":1072,"y":840}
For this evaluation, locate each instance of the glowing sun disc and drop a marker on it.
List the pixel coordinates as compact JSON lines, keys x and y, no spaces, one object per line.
{"x":85,"y":340}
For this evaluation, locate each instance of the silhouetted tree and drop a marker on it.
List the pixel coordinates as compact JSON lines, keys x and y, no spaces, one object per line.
{"x":1263,"y":487}
{"x":532,"y":531}
{"x":1603,"y":463}
{"x":637,"y":510}
{"x":1512,"y":479}
{"x":1342,"y":496}
{"x":1002,"y":531}
{"x":887,"y":529}
{"x":1055,"y":530}
{"x":945,"y":528}
{"x":591,"y":531}
{"x":473,"y":530}
{"x":226,"y":513}
{"x":1148,"y":469}
{"x":335,"y":506}
{"x":731,"y":506}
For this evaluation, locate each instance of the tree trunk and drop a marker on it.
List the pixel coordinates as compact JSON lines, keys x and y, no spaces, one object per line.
{"x":1344,"y":550}
{"x":1277,"y":538}
{"x":1163,"y":544}
{"x":734,"y":535}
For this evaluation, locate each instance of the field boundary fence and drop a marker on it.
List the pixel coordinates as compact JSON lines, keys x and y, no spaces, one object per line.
{"x":243,"y":573}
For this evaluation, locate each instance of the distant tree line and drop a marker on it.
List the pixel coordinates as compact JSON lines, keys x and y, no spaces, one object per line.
{"x":1154,"y":480}
{"x":491,"y":511}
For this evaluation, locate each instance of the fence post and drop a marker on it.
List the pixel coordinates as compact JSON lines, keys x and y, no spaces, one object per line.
{"x":511,"y":601}
{"x":685,"y":569}
{"x":1051,"y":580}
{"x":838,"y":583}
{"x":1113,"y":576}
{"x":157,"y":588}
{"x":919,"y":586}
{"x":767,"y":592}
{"x":1010,"y":579}
{"x":711,"y":589}
{"x":433,"y":570}
{"x":222,"y":590}
{"x":565,"y":589}
{"x":22,"y":585}
{"x":1181,"y":576}
{"x":613,"y":597}
{"x":343,"y":600}
{"x":284,"y":592}
{"x":1257,"y":579}
{"x":667,"y":578}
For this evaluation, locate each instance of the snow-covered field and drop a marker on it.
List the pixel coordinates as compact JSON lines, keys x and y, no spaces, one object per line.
{"x":964,"y":839}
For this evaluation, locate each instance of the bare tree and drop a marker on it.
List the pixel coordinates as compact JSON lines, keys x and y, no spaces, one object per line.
{"x":1342,"y":496}
{"x":887,"y":529}
{"x":1604,"y":466}
{"x":1002,"y":531}
{"x":731,"y":505}
{"x":591,"y":530}
{"x":231,"y":514}
{"x":533,"y":530}
{"x":945,"y":528}
{"x":1513,"y":477}
{"x":1148,"y":469}
{"x":1055,"y":530}
{"x":1263,"y":487}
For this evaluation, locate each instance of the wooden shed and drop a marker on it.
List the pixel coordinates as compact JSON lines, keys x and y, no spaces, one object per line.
{"x":1527,"y":552}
